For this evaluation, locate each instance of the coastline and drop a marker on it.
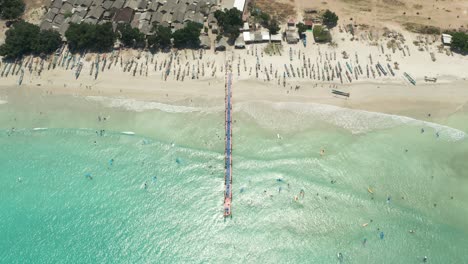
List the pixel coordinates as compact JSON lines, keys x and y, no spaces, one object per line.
{"x":258,"y":77}
{"x":439,"y":100}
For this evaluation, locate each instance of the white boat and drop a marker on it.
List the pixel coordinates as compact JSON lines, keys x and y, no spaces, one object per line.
{"x":39,"y":128}
{"x":128,"y":133}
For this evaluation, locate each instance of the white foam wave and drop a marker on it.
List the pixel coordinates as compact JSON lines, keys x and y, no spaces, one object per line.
{"x":356,"y":121}
{"x":140,"y":106}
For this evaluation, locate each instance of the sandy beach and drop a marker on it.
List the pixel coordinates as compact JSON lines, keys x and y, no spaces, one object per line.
{"x":197,"y":77}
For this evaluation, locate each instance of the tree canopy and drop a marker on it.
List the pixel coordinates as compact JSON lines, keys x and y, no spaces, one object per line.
{"x":330,"y":19}
{"x":273,"y":27}
{"x":321,"y":34}
{"x":130,"y":37}
{"x":160,"y":39}
{"x":229,"y":20}
{"x":261,"y":17}
{"x":25,"y":38}
{"x":90,"y":37}
{"x":460,"y":42}
{"x":301,"y":28}
{"x":11,"y":9}
{"x":48,"y":41}
{"x":188,"y":37}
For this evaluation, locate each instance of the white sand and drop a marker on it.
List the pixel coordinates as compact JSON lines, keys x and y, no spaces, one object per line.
{"x":384,"y":94}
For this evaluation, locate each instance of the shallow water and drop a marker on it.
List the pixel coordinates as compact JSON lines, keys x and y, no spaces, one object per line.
{"x":51,"y":212}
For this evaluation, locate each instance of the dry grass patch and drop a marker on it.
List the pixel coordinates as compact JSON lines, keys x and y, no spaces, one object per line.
{"x":281,"y":11}
{"x":422,"y":29}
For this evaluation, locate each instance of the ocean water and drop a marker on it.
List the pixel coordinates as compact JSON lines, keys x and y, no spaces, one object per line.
{"x":71,"y":195}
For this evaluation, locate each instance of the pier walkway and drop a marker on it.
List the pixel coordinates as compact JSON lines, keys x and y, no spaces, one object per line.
{"x":228,"y":147}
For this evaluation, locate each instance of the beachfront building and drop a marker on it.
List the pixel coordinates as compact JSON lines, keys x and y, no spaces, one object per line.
{"x":239,"y":43}
{"x":446,"y":39}
{"x":221,"y":44}
{"x":291,"y":36}
{"x":205,"y":42}
{"x":141,"y":14}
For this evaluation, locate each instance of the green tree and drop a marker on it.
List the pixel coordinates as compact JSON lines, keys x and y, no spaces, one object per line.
{"x":105,"y":37}
{"x":229,"y":20}
{"x":264,"y":19}
{"x":47,"y":42}
{"x":24,"y":38}
{"x":273,"y":27}
{"x":19,"y":40}
{"x":86,"y":36}
{"x":330,"y":19}
{"x":301,"y":28}
{"x":321,"y":34}
{"x":130,"y":37}
{"x":67,"y":14}
{"x":160,"y":39}
{"x":11,"y":9}
{"x":188,"y":37}
{"x":460,"y":42}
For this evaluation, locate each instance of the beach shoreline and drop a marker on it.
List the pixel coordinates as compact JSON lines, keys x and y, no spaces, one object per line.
{"x":293,"y":73}
{"x":439,"y":100}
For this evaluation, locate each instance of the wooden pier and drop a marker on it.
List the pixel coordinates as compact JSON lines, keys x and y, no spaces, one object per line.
{"x":228,"y":147}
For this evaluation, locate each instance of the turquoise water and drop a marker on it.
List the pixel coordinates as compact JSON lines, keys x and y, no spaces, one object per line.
{"x":51,"y":212}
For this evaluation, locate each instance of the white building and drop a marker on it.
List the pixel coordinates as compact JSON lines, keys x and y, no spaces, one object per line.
{"x":446,"y":39}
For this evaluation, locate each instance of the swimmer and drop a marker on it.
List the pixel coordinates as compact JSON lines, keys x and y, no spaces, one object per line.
{"x":425,"y":259}
{"x":340,"y":256}
{"x":388,"y":199}
{"x":296,"y":198}
{"x":411,"y":231}
{"x":279,"y":189}
{"x":302,"y":193}
{"x":322,"y":152}
{"x":364,"y":241}
{"x":437,"y":134}
{"x":422,"y":130}
{"x":19,"y":179}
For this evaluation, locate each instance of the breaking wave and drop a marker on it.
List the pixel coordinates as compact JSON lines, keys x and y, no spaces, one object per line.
{"x":140,"y":106}
{"x":355,"y":121}
{"x":269,"y":114}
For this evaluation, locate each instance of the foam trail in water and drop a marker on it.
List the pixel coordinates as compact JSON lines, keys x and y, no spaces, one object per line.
{"x":140,"y":106}
{"x":356,"y":121}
